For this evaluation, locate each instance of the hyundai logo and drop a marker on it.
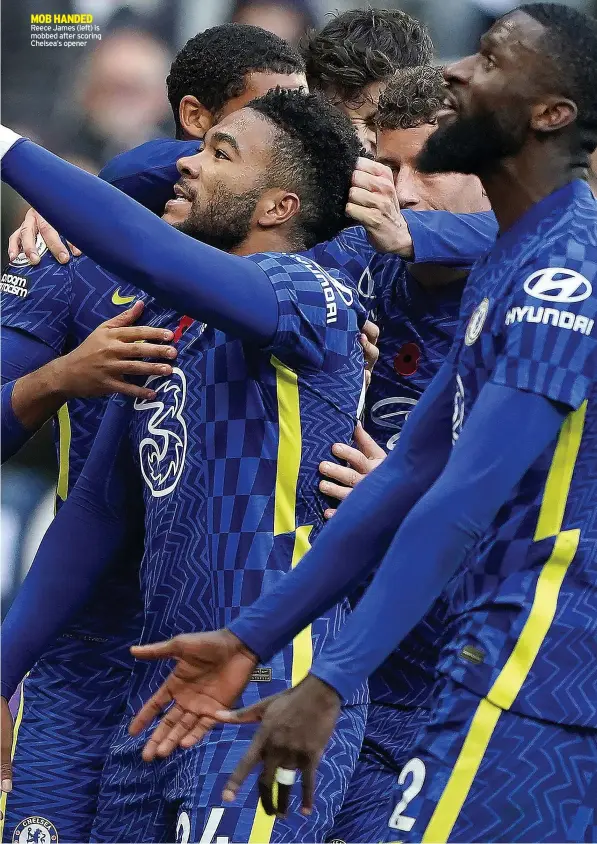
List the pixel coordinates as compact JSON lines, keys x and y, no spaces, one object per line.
{"x":558,"y":284}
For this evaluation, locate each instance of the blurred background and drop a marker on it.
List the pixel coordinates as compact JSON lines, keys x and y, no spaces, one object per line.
{"x":90,"y":103}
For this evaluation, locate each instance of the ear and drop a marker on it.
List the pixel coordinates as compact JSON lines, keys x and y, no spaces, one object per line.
{"x":553,"y":113}
{"x":195,"y":119}
{"x":276,"y":207}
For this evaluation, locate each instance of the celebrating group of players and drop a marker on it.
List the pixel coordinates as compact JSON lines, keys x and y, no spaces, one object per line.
{"x":424,"y":665}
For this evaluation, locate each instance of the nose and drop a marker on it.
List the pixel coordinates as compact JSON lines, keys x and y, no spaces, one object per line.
{"x":189,"y":166}
{"x":459,"y":71}
{"x":405,"y":183}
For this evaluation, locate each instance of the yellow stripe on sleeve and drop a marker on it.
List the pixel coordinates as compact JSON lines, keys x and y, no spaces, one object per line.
{"x":289,"y":448}
{"x":511,"y":678}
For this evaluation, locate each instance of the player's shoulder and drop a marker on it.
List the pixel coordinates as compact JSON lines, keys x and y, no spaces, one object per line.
{"x":301,"y":278}
{"x":161,"y":152}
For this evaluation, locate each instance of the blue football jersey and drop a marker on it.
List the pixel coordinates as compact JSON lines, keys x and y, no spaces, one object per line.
{"x":522,"y":627}
{"x":61,"y":305}
{"x":229,"y":452}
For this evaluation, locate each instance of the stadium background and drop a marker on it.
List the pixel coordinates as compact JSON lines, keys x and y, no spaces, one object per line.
{"x":88,"y":104}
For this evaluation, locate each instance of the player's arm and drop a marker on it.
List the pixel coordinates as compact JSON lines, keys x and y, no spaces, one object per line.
{"x":226,"y":291}
{"x":89,"y":530}
{"x":103,"y":364}
{"x":506,"y":432}
{"x":420,"y":236}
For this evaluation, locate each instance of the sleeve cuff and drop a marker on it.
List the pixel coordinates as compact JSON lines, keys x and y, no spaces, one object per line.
{"x":8,"y":139}
{"x":337,"y":678}
{"x":251,"y":638}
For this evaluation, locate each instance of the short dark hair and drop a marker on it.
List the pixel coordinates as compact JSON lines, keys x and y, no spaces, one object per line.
{"x":411,"y":98}
{"x":363,"y":46}
{"x":213,"y":65}
{"x":314,"y":155}
{"x":570,"y":48}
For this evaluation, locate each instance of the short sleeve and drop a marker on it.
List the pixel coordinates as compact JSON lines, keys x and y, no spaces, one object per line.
{"x":548,"y":342}
{"x":36,"y":299}
{"x":318,"y":313}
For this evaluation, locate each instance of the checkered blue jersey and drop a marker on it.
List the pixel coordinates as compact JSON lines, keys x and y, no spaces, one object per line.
{"x":522,"y":625}
{"x":60,"y":305}
{"x":229,"y":452}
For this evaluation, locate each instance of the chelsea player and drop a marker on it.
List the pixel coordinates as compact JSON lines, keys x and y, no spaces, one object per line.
{"x":74,"y":697}
{"x":227,"y":452}
{"x":416,"y":308}
{"x":503,"y":517}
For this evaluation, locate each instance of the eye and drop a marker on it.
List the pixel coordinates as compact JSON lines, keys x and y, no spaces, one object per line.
{"x":222,"y":155}
{"x":488,"y":61}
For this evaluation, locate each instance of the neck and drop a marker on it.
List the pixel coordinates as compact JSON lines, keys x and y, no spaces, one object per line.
{"x":520,"y":182}
{"x":430,"y":276}
{"x":266,"y":240}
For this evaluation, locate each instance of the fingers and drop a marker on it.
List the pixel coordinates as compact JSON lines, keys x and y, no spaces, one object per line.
{"x":349,"y":475}
{"x":370,"y":352}
{"x":365,"y":198}
{"x":125,"y":388}
{"x":308,"y":780}
{"x":28,"y":237}
{"x":367,"y":444}
{"x":367,"y":165}
{"x":329,"y":513}
{"x":76,"y":252}
{"x":265,"y":784}
{"x":368,"y":217}
{"x":243,"y":769}
{"x":381,"y":184}
{"x":127,"y":317}
{"x":141,"y":368}
{"x":52,"y":240}
{"x":14,"y":244}
{"x":168,"y":649}
{"x":335,"y":491}
{"x":150,"y":710}
{"x":371,"y":332}
{"x":203,"y":726}
{"x":248,"y":715}
{"x":143,"y":350}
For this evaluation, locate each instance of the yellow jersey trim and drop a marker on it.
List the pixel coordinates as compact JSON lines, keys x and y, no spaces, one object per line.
{"x":64,"y":429}
{"x":511,"y":678}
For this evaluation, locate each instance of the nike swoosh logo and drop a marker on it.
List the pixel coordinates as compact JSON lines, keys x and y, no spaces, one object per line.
{"x":117,"y":299}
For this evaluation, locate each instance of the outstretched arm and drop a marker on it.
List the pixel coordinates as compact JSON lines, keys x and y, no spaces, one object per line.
{"x":506,"y":432}
{"x":229,"y":292}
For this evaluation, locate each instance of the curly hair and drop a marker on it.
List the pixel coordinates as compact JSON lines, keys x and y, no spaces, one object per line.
{"x":213,"y":65}
{"x":363,"y":46}
{"x":570,"y":51}
{"x":411,"y":98}
{"x":313,"y":155}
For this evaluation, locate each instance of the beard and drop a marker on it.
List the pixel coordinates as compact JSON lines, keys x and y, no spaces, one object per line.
{"x":224,"y":221}
{"x":473,"y":145}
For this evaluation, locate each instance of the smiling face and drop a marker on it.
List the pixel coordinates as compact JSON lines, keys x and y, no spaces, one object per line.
{"x":220,"y":186}
{"x":399,"y":149}
{"x":489,"y":99}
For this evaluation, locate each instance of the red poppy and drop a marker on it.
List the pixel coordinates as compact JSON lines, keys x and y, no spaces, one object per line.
{"x":407,"y":360}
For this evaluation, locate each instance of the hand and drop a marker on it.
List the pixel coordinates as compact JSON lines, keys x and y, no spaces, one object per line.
{"x":111,"y":353}
{"x":24,"y":239}
{"x":362,"y":460}
{"x":295,"y":727}
{"x":373,"y":203}
{"x":211,"y":672}
{"x":369,"y":339}
{"x":6,"y":729}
